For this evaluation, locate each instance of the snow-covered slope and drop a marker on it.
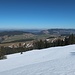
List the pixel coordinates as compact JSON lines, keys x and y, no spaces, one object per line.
{"x":51,"y":61}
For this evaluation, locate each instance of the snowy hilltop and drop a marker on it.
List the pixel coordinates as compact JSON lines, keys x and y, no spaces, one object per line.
{"x":50,"y":61}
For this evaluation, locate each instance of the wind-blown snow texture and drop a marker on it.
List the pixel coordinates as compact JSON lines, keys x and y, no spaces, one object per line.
{"x":51,"y":61}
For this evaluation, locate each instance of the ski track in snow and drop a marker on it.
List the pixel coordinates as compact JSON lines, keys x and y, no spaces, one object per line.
{"x":50,"y":61}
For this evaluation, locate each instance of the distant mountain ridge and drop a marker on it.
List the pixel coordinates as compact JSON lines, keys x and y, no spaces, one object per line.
{"x":58,"y":31}
{"x":9,"y":33}
{"x":38,"y":32}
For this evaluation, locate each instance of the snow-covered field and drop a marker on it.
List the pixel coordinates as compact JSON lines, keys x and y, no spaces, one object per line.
{"x":51,"y":61}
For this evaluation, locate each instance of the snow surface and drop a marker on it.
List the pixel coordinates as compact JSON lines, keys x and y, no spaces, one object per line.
{"x":50,"y":61}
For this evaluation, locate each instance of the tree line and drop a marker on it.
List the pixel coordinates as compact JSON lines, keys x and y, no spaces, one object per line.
{"x":45,"y":44}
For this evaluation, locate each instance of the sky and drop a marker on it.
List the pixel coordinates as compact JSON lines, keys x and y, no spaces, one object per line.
{"x":37,"y":14}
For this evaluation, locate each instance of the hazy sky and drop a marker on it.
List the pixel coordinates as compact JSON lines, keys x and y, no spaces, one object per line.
{"x":37,"y":14}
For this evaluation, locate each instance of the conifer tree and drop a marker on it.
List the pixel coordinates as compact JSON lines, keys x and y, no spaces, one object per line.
{"x":2,"y":53}
{"x":71,"y":39}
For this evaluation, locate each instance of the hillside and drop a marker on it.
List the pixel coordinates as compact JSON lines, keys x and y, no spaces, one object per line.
{"x":58,"y":31}
{"x":28,"y":35}
{"x":51,"y":61}
{"x":15,"y":36}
